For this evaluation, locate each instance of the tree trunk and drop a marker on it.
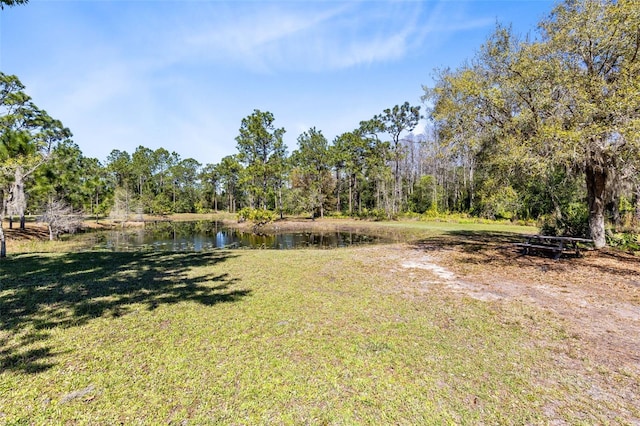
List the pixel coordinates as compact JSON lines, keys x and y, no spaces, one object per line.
{"x":395,"y":202}
{"x":338,"y":207}
{"x":97,"y":202}
{"x":17,"y":203}
{"x":3,"y":243}
{"x":596,"y":183}
{"x":471,"y":189}
{"x":637,"y":213}
{"x":351,"y":184}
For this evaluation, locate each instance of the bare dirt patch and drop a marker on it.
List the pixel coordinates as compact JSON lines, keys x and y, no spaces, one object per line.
{"x":597,"y":295}
{"x":32,"y":231}
{"x":39,"y":231}
{"x":595,"y":298}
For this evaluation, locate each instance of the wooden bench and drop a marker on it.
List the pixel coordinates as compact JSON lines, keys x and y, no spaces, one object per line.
{"x":553,"y":244}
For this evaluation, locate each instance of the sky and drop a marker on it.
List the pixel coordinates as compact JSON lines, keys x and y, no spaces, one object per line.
{"x":182,"y":75}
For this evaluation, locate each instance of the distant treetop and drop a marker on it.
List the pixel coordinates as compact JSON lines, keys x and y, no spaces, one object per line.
{"x":4,"y":3}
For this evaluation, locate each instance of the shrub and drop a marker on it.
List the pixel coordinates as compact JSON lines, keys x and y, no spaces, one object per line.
{"x":60,"y":218}
{"x":623,"y":240}
{"x":572,"y":221}
{"x":374,"y":214}
{"x":497,"y":201}
{"x":259,"y":217}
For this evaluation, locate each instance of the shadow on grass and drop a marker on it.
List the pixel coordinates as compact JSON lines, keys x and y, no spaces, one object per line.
{"x":469,"y":241}
{"x":498,"y":249}
{"x":42,"y":292}
{"x":488,"y":247}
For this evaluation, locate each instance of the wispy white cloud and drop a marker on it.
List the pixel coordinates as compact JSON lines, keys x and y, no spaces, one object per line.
{"x":273,"y":37}
{"x":250,"y":30}
{"x":127,"y":73}
{"x":100,"y":85}
{"x":319,"y":36}
{"x":446,"y":17}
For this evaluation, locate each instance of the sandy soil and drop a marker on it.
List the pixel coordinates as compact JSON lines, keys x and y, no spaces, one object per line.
{"x":595,"y":298}
{"x":597,"y":295}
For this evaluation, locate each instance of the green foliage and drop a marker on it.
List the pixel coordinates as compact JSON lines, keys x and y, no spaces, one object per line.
{"x":374,"y":214}
{"x":422,"y":198}
{"x":159,"y":181}
{"x":160,"y":204}
{"x":626,"y":206}
{"x":12,"y":3}
{"x":229,"y":171}
{"x":561,"y":101}
{"x":262,"y":150}
{"x":70,"y":177}
{"x":119,"y":168}
{"x":258,"y":217}
{"x":351,"y":151}
{"x":27,"y":136}
{"x":312,"y":175}
{"x":498,"y":201}
{"x":394,"y":122}
{"x":572,"y":221}
{"x":624,"y":240}
{"x":210,"y":185}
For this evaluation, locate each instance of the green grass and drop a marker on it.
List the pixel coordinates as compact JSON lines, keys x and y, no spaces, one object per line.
{"x":267,"y":337}
{"x":253,"y":337}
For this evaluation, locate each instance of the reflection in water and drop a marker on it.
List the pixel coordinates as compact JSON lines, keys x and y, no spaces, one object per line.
{"x":208,"y":235}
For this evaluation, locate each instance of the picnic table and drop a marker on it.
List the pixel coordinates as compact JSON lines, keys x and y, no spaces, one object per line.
{"x":553,"y":244}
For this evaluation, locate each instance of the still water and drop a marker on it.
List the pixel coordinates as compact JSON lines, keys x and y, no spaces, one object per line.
{"x":208,"y":235}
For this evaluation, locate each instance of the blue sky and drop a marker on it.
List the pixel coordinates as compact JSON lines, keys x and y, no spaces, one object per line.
{"x":182,"y":74}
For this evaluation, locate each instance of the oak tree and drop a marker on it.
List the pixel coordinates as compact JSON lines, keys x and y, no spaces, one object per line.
{"x":566,"y":101}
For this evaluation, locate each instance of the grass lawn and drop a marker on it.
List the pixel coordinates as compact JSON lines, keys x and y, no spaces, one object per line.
{"x":265,"y":337}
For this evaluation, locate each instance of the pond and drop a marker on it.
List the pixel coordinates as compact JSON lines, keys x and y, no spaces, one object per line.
{"x":209,"y":235}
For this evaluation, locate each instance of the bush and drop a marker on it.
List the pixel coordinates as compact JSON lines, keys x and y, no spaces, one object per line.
{"x":60,"y":218}
{"x":374,"y":214}
{"x":623,"y":240}
{"x":497,"y":201}
{"x":455,"y":217}
{"x":573,"y":221}
{"x":410,"y":215}
{"x":259,"y":217}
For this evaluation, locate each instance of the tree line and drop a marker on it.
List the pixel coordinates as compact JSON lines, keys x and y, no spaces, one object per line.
{"x":543,"y":128}
{"x":552,"y":124}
